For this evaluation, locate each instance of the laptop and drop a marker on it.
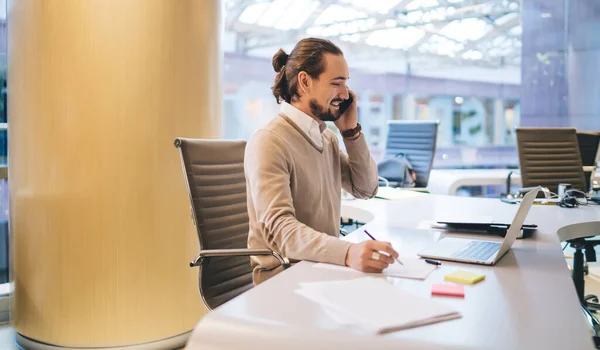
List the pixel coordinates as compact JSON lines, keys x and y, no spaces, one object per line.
{"x":480,"y":251}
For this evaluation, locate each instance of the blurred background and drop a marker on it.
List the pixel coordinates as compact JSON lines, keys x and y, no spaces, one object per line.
{"x":480,"y":67}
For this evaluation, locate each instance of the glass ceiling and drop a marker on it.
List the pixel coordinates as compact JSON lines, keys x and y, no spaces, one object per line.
{"x":482,"y":32}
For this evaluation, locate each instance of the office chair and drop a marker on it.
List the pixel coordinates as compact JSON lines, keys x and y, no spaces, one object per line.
{"x":589,"y":148}
{"x":214,"y":176}
{"x":415,"y":141}
{"x":549,"y":156}
{"x":576,"y":235}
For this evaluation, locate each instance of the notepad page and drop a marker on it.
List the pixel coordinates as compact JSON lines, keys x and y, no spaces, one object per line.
{"x":413,"y":269}
{"x":379,"y":305}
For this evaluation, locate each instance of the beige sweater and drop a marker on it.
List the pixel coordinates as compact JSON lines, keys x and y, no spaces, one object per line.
{"x":294,"y":193}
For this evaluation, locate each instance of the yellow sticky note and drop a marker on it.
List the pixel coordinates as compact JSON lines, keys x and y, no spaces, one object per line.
{"x":465,"y":277}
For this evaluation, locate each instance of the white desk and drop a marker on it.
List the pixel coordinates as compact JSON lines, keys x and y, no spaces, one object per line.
{"x":527,"y":301}
{"x":448,"y":181}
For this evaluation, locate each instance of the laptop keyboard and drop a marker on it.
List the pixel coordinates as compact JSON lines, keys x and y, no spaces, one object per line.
{"x":478,"y":250}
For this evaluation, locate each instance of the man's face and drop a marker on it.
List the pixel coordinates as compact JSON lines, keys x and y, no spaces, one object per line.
{"x":327,"y":92}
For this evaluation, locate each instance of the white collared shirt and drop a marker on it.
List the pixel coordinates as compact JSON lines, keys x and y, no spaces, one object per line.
{"x":306,"y":123}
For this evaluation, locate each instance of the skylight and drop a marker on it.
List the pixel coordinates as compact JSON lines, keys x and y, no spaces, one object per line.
{"x":484,"y":31}
{"x":253,"y":12}
{"x":414,"y":16}
{"x":381,"y":6}
{"x":351,"y":38}
{"x":273,"y":13}
{"x":417,"y":4}
{"x":441,"y":46}
{"x":472,"y":55}
{"x":516,"y":31}
{"x":359,"y":25}
{"x":337,"y":13}
{"x":466,"y":29}
{"x":280,"y":14}
{"x":396,"y":38}
{"x":296,"y":14}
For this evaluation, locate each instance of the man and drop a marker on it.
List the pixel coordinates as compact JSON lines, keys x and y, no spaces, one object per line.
{"x":295,"y":170}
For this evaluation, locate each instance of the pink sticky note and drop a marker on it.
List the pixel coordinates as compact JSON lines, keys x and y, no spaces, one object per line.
{"x":452,"y":290}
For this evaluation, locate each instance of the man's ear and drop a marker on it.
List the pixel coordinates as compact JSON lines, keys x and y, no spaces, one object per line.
{"x":303,"y":82}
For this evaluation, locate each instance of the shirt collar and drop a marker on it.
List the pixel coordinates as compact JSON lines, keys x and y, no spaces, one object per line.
{"x":306,"y":123}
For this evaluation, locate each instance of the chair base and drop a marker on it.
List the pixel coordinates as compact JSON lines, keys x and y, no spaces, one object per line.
{"x":176,"y":342}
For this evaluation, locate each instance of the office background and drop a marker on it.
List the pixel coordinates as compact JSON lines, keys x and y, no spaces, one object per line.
{"x":481,"y":67}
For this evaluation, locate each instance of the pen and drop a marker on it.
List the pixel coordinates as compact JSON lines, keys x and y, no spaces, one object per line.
{"x":373,"y":238}
{"x":433,"y":262}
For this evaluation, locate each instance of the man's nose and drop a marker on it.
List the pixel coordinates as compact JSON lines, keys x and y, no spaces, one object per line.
{"x":345,"y":94}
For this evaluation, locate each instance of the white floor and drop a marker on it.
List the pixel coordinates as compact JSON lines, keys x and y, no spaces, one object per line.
{"x":7,"y":338}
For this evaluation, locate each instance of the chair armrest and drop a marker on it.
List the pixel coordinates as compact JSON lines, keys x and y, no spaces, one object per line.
{"x":207,"y":253}
{"x":384,"y":180}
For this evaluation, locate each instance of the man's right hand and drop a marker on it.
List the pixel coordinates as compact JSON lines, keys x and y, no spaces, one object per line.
{"x":360,"y":256}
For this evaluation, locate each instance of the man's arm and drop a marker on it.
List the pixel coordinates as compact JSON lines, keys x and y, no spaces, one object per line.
{"x":359,"y":170}
{"x":268,"y":177}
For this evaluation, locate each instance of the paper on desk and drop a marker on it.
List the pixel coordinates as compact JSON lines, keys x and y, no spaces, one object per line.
{"x":413,"y":268}
{"x":376,"y":305}
{"x":339,"y":317}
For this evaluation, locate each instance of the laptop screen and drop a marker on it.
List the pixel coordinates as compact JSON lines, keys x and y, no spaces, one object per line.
{"x":515,"y":227}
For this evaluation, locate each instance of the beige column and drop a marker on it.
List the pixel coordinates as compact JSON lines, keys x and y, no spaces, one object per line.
{"x":100,"y":227}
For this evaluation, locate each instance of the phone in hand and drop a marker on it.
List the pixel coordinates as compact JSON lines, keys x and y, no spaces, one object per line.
{"x":346,"y":104}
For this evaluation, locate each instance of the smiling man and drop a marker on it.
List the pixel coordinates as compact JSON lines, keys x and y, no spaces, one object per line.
{"x":295,"y":169}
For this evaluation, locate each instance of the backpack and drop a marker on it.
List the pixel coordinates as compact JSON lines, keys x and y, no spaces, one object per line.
{"x":397,"y":171}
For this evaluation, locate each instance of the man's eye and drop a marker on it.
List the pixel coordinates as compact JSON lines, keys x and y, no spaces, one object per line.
{"x":336,"y":84}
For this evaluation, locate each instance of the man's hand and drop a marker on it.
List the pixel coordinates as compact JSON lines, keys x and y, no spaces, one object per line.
{"x":349,"y":119}
{"x":360,"y":256}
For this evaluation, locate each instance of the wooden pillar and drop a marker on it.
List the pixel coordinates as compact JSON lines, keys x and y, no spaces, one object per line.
{"x":100,"y":228}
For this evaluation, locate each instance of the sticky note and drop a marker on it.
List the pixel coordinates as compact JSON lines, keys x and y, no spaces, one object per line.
{"x":466,"y":277}
{"x":446,"y":289}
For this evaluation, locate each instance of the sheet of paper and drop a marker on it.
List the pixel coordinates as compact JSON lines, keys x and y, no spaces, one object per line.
{"x":339,"y":317}
{"x":413,"y":268}
{"x":377,"y":305}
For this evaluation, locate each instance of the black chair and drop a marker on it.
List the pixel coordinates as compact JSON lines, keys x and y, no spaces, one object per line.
{"x":214,"y":176}
{"x":577,"y":236}
{"x":549,"y":156}
{"x":414,"y":140}
{"x":589,"y":148}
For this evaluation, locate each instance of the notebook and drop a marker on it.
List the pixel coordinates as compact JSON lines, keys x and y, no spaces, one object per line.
{"x":413,"y":268}
{"x":376,"y":305}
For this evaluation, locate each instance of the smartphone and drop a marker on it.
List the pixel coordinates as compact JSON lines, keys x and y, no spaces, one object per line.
{"x":346,"y":104}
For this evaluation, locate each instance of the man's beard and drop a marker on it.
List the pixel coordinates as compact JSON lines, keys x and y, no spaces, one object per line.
{"x":324,"y":114}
